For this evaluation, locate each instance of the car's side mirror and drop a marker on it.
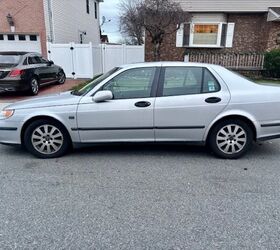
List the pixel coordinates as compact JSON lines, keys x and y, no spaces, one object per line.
{"x":50,"y":63}
{"x":102,"y":96}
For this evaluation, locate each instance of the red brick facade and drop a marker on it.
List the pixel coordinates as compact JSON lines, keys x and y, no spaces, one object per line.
{"x":252,"y":34}
{"x":28,"y":16}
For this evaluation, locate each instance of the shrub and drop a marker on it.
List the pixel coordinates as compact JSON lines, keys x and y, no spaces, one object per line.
{"x":272,"y":63}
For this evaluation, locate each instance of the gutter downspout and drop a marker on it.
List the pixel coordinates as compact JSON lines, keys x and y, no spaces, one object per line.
{"x":50,"y":21}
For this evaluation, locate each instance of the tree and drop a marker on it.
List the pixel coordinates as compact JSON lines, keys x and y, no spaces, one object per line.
{"x":131,"y":22}
{"x":160,"y":19}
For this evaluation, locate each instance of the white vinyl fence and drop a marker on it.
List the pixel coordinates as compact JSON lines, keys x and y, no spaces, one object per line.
{"x":87,"y":60}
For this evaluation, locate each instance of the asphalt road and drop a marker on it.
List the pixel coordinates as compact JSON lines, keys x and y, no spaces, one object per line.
{"x":140,"y":197}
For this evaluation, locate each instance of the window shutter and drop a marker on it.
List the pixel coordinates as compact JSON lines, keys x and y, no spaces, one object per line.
{"x":187,"y":30}
{"x":230,"y":34}
{"x":224,"y":35}
{"x":180,"y":36}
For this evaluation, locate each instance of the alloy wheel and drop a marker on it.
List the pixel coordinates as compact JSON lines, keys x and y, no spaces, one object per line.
{"x":61,"y":78}
{"x":231,"y":139}
{"x":47,"y":139}
{"x":34,"y":86}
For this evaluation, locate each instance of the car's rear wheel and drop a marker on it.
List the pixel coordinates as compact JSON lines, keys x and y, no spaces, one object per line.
{"x":46,"y":139}
{"x":61,"y":77}
{"x":231,"y":139}
{"x":34,"y":86}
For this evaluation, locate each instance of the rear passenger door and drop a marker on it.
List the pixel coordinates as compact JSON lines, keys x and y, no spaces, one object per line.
{"x":188,"y":99}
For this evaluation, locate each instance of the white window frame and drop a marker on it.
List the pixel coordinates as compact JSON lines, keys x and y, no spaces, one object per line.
{"x":219,"y":39}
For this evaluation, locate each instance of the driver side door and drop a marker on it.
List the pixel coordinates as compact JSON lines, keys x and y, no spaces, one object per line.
{"x":129,"y":116}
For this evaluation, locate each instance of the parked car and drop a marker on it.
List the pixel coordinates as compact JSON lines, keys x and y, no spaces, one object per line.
{"x":23,"y":71}
{"x":149,"y":102}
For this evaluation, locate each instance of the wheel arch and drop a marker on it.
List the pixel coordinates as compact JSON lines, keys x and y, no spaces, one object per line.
{"x":41,"y":117}
{"x":244,"y":118}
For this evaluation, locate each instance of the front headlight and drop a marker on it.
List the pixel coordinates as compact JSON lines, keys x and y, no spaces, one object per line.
{"x":7,"y":113}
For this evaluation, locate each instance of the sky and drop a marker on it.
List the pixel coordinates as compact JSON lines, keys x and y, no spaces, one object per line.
{"x":109,"y":9}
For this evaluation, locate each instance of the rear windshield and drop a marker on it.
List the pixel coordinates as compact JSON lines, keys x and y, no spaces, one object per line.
{"x":9,"y":60}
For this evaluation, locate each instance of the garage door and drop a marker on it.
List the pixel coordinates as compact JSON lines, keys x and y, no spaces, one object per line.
{"x":20,"y":42}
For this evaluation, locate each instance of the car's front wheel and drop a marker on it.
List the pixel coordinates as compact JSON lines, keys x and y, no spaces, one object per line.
{"x":231,"y":139}
{"x":46,"y":139}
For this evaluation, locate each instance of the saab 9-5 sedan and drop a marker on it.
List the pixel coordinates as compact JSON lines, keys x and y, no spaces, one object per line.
{"x":149,"y":102}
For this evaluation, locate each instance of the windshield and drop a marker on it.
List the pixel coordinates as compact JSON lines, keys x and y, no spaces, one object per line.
{"x":84,"y":90}
{"x":9,"y":60}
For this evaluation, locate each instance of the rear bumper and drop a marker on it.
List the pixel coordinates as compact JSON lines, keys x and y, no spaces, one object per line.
{"x":13,"y":86}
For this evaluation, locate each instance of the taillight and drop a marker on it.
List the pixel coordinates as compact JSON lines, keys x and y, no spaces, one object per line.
{"x":16,"y":72}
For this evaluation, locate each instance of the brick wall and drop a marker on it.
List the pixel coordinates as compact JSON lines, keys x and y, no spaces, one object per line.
{"x":28,"y":16}
{"x":252,"y":34}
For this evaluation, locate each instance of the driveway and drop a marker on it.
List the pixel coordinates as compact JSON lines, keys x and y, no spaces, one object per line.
{"x":140,"y":197}
{"x":51,"y":89}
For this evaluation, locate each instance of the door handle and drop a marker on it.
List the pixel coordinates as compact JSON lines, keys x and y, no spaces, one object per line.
{"x":142,"y":104}
{"x":213,"y":100}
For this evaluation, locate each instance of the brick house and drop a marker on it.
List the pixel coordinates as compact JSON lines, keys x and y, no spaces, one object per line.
{"x":222,"y":27}
{"x":28,"y":24}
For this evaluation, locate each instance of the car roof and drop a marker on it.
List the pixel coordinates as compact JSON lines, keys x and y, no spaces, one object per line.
{"x":166,"y":64}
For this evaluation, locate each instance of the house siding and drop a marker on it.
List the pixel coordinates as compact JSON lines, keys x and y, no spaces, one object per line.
{"x":70,"y":18}
{"x":24,"y":17}
{"x":228,"y":5}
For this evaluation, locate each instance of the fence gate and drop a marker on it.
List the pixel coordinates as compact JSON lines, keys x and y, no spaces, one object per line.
{"x":86,"y":60}
{"x":75,"y":59}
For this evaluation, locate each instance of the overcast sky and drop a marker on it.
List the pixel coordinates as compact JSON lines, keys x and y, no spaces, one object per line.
{"x":109,"y":9}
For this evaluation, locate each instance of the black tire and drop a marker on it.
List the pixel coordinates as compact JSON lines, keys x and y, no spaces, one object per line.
{"x":230,"y":145}
{"x":61,"y":78}
{"x":50,"y":141}
{"x":33,"y":86}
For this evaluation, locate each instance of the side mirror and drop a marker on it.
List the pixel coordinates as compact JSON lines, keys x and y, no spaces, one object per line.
{"x":50,"y":63}
{"x":102,"y":96}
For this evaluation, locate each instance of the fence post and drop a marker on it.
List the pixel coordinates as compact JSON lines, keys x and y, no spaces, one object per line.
{"x":124,"y":54}
{"x":91,"y":58}
{"x":49,"y":51}
{"x":187,"y":58}
{"x":103,"y":54}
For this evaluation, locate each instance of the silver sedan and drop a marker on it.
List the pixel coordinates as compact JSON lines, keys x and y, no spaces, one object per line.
{"x":150,"y":102}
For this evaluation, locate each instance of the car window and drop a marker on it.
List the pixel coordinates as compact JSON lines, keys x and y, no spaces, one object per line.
{"x":188,"y":81}
{"x":133,"y":83}
{"x":182,"y":81}
{"x":32,"y":60}
{"x":210,"y":84}
{"x":25,"y":62}
{"x":35,"y":60}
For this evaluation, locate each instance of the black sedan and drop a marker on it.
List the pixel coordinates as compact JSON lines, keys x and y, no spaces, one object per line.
{"x":24,"y":71}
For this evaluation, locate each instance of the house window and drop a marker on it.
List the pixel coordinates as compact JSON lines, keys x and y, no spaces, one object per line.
{"x":33,"y":38}
{"x":205,"y":34}
{"x":95,"y":10}
{"x":87,"y":3}
{"x":21,"y":37}
{"x":11,"y":37}
{"x":1,"y":37}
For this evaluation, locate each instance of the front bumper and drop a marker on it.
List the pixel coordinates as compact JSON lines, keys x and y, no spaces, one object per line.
{"x":13,"y":86}
{"x":9,"y":132}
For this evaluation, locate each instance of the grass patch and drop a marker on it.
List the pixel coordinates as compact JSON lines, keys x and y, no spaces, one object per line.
{"x":83,"y":84}
{"x":268,"y":81}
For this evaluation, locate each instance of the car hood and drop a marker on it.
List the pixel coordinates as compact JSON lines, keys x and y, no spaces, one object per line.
{"x":60,"y":99}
